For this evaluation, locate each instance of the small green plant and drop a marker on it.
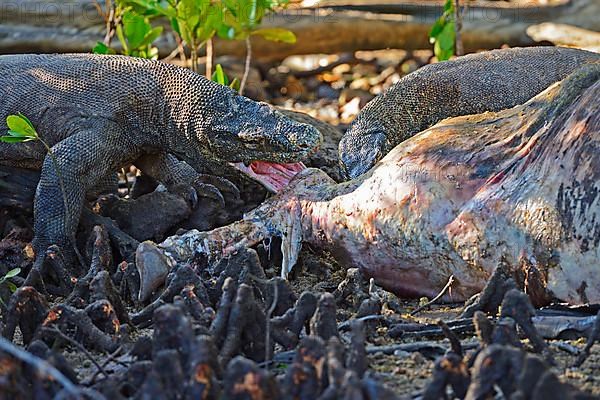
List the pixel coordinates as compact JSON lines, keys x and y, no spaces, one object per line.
{"x":133,"y":29}
{"x":5,"y":279}
{"x":21,"y":130}
{"x":242,"y":19}
{"x":221,"y":78}
{"x":195,"y":22}
{"x":445,"y":33}
{"x":136,"y":35}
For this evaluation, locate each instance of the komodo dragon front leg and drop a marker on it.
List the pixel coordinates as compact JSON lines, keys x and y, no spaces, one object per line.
{"x":83,"y":160}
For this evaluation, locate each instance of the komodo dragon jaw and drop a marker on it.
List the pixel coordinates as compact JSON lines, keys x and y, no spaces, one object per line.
{"x":261,"y":142}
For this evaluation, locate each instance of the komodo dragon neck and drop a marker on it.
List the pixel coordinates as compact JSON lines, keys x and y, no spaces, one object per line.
{"x":472,"y":84}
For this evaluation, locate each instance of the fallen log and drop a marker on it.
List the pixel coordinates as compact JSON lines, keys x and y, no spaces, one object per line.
{"x":75,"y":26}
{"x":17,"y":187}
{"x":518,"y":187}
{"x":565,"y":35}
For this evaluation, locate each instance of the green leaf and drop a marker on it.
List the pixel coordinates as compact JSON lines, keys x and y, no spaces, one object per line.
{"x":15,"y":139}
{"x":231,"y":27}
{"x":254,"y":14}
{"x":11,"y":286}
{"x":18,"y":134}
{"x":101,"y":48}
{"x":152,"y":36}
{"x":227,"y":32}
{"x":135,"y":28}
{"x":24,"y":118}
{"x":20,"y":125}
{"x":144,"y":7}
{"x":219,"y":76}
{"x":213,"y":20}
{"x":235,"y":84}
{"x":449,"y":6}
{"x":442,"y":54}
{"x":447,"y":37}
{"x":122,"y":39}
{"x":276,"y":35}
{"x":188,"y":13}
{"x":175,"y":26}
{"x":437,"y":28}
{"x":12,"y":273}
{"x":186,"y":35}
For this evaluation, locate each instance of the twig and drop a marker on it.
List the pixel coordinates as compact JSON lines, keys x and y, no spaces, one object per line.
{"x":181,"y":48}
{"x":566,"y":347}
{"x":172,"y":55}
{"x":287,"y":357}
{"x":268,"y":320}
{"x":79,"y":346}
{"x":451,"y":336}
{"x":109,"y":359}
{"x":42,"y":366}
{"x":346,"y":324}
{"x":594,"y":336}
{"x":247,"y":65}
{"x":436,"y":298}
{"x":458,"y":44}
{"x":417,"y":346}
{"x":343,"y":59}
{"x":209,"y":58}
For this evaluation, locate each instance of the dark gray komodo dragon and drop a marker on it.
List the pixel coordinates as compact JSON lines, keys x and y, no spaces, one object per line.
{"x":100,"y":113}
{"x":487,"y":81}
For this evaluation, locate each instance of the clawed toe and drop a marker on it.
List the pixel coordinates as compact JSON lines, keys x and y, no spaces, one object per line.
{"x":192,"y":194}
{"x":224,"y":185}
{"x":209,"y":191}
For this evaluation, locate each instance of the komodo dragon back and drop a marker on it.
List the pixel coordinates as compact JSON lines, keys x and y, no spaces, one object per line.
{"x":488,"y":81}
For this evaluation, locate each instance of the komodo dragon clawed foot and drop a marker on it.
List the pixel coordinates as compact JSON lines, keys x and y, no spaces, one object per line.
{"x":215,"y":188}
{"x":192,"y":194}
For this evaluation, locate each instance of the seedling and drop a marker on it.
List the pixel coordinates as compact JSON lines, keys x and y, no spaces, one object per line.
{"x":5,"y":279}
{"x":21,"y":130}
{"x":445,"y":33}
{"x":221,"y":78}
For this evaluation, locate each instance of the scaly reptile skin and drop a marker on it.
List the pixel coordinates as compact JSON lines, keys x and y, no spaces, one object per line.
{"x":488,"y":81}
{"x":102,"y":112}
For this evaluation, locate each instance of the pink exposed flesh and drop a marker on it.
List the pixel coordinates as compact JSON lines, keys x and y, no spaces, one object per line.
{"x":272,"y":175}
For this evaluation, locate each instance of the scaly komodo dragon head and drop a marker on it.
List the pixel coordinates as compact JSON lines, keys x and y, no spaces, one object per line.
{"x":259,"y":140}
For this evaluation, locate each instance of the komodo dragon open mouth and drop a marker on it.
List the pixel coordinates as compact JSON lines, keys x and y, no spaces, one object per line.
{"x":273,"y":176}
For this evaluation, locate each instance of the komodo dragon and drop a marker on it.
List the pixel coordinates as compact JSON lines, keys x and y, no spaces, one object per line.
{"x":101,"y":112}
{"x":488,"y":81}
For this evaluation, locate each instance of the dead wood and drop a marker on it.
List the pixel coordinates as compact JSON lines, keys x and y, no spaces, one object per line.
{"x":323,"y":29}
{"x":323,"y":323}
{"x":44,"y":369}
{"x":27,"y":309}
